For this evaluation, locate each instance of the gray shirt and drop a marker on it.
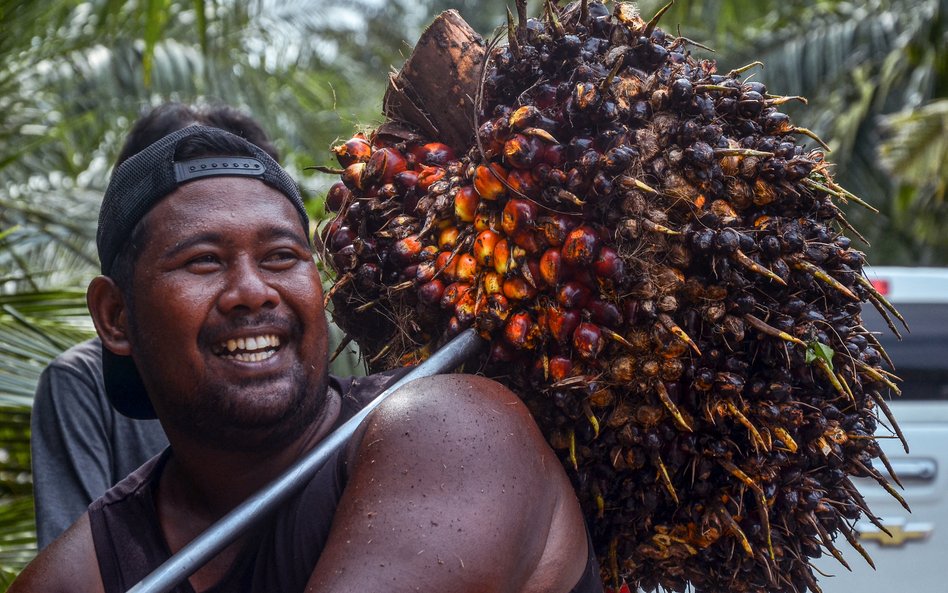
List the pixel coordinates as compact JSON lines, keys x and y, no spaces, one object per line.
{"x":80,"y":445}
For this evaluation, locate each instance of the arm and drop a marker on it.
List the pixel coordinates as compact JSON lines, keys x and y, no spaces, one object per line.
{"x":69,"y":447}
{"x":80,"y":446}
{"x":68,"y":565}
{"x":454,"y":489}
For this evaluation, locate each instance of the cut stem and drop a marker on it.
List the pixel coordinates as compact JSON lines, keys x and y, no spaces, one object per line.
{"x":741,"y":258}
{"x":772,"y":331}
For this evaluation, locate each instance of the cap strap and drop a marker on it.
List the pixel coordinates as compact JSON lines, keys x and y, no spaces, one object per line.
{"x":213,"y":166}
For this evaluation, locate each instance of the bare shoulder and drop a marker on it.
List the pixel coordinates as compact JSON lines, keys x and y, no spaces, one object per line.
{"x":454,"y":487}
{"x":67,"y":565}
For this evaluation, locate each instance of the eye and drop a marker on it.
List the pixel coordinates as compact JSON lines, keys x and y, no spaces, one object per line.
{"x":206,"y":262}
{"x":281,"y":259}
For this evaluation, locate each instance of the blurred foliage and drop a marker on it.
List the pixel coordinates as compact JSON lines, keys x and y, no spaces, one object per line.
{"x":76,"y":73}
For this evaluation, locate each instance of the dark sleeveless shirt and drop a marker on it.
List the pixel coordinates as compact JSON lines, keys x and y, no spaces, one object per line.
{"x":279,"y":554}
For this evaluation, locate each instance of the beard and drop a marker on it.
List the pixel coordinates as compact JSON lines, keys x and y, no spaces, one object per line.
{"x":259,"y":415}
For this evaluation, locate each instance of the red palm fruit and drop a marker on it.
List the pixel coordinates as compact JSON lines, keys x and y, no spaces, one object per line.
{"x":528,"y":240}
{"x":406,"y":180}
{"x":465,"y":204}
{"x":424,"y":272}
{"x":341,"y":237}
{"x":453,"y":293}
{"x":531,"y":273}
{"x":521,"y":331}
{"x":352,"y":175}
{"x":368,"y":275}
{"x":608,"y":264}
{"x":493,"y":282}
{"x":605,"y":313}
{"x":550,"y":264}
{"x":454,"y":327}
{"x":524,"y":117}
{"x":556,"y":227}
{"x":409,"y":272}
{"x":587,"y":340}
{"x":337,"y":196}
{"x":581,"y":246}
{"x":429,"y":253}
{"x":519,"y":214}
{"x":503,"y":257}
{"x":465,"y":306}
{"x":445,"y":264}
{"x":353,"y":150}
{"x":561,"y":368}
{"x":406,"y":251}
{"x":432,"y":153}
{"x":523,"y":182}
{"x":430,"y":293}
{"x":562,"y":323}
{"x":522,"y":152}
{"x":573,"y":294}
{"x":448,"y":237}
{"x":518,"y":289}
{"x":492,"y":314}
{"x":427,"y":175}
{"x":501,"y":351}
{"x":466,"y":268}
{"x":489,"y":182}
{"x":384,"y":165}
{"x":484,"y":245}
{"x":346,"y":258}
{"x":554,"y":155}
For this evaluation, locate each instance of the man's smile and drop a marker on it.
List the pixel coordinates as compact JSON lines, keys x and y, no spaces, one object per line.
{"x":249,"y":349}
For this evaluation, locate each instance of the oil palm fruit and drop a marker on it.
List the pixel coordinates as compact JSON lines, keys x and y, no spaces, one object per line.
{"x":659,"y":262}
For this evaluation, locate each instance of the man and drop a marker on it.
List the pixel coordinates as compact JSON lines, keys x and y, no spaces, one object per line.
{"x":210,"y":300}
{"x":80,"y":445}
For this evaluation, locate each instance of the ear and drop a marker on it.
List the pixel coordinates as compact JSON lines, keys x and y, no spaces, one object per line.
{"x":109,"y":314}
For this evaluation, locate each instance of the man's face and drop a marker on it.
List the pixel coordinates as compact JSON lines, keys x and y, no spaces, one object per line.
{"x":225,"y":318}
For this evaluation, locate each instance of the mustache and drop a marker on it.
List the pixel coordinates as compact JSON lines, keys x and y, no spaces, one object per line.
{"x":265,"y":320}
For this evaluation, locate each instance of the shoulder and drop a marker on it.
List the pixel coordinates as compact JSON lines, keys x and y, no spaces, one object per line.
{"x":455,"y":465}
{"x":85,"y":357}
{"x":67,"y":565}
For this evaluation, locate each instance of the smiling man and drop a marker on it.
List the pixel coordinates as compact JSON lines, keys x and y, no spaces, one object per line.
{"x":210,"y":312}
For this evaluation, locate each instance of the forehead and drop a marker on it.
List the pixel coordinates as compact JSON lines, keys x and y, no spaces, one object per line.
{"x":222,"y":203}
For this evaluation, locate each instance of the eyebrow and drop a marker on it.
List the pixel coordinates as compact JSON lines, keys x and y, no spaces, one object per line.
{"x":269,"y":233}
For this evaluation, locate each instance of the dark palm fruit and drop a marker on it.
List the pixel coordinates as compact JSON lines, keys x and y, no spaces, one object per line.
{"x":654,"y":258}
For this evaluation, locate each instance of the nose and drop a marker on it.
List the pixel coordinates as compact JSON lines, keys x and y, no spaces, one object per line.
{"x":247,"y":290}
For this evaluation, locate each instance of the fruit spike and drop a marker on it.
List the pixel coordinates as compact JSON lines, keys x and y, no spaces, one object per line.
{"x":658,"y":265}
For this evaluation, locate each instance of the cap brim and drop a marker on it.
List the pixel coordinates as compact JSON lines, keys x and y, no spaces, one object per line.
{"x":124,"y":387}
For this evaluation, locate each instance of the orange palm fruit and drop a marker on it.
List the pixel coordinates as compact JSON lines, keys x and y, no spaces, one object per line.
{"x":448,"y":237}
{"x":465,"y":204}
{"x":466,"y":268}
{"x":484,"y":245}
{"x":427,"y":175}
{"x":407,"y":250}
{"x":432,"y":153}
{"x":503,"y":257}
{"x":561,"y":367}
{"x":518,"y":289}
{"x":523,"y":182}
{"x":489,"y":182}
{"x":493,"y":282}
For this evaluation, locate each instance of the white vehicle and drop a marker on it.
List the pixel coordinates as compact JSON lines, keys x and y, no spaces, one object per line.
{"x":915,"y":556}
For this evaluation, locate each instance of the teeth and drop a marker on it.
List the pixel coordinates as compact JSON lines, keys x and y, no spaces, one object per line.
{"x":257,"y":347}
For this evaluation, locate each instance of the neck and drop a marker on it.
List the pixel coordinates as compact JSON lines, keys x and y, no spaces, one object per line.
{"x":202,"y":483}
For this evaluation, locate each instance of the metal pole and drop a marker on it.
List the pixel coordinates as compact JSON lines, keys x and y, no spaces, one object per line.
{"x":218,"y":536}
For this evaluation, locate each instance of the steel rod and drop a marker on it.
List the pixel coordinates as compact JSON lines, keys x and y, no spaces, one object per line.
{"x":226,"y":530}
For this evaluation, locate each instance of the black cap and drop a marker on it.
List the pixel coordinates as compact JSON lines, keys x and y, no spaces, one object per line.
{"x":136,"y":186}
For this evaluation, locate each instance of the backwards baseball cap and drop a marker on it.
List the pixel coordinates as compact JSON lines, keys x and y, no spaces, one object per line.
{"x":136,"y":186}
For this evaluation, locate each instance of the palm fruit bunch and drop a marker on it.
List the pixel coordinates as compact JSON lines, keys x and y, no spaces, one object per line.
{"x":660,"y":267}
